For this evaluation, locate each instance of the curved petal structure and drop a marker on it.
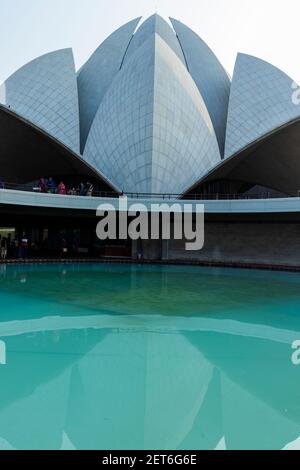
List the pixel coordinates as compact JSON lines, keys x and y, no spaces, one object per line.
{"x":96,"y":75}
{"x":184,"y":141}
{"x":155,"y":24}
{"x":120,"y":140}
{"x":152,"y":132}
{"x":45,"y":93}
{"x":209,"y":75}
{"x":154,"y":111}
{"x":261,"y":100}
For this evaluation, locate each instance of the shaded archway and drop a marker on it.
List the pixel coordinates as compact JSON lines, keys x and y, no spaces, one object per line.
{"x":27,"y":153}
{"x":272,"y":162}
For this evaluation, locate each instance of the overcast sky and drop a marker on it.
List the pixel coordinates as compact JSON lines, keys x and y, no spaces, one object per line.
{"x":264,"y":28}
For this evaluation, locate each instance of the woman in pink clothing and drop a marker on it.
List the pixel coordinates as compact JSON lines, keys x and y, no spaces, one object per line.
{"x":42,"y":185}
{"x":61,"y":189}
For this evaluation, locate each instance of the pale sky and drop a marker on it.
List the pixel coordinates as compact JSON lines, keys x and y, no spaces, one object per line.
{"x":264,"y":28}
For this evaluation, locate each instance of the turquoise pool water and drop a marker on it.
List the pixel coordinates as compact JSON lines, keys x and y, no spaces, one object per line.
{"x":129,"y":357}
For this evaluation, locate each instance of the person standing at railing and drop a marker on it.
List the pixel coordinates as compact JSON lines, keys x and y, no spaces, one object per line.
{"x":9,"y":246}
{"x":64,"y":247}
{"x":90,"y":189}
{"x":81,"y":189}
{"x":51,"y":185}
{"x":42,"y":185}
{"x":3,"y":248}
{"x":72,"y":192}
{"x":15,"y":248}
{"x":24,"y":246}
{"x":61,"y":189}
{"x":2,"y":185}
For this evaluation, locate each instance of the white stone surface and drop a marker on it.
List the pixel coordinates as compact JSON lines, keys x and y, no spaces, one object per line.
{"x":260,"y":102}
{"x":209,"y":75}
{"x":152,"y":132}
{"x":97,"y":74}
{"x":44,"y":92}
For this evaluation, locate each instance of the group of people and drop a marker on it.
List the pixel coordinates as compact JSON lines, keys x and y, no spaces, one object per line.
{"x":49,"y":186}
{"x":17,"y":248}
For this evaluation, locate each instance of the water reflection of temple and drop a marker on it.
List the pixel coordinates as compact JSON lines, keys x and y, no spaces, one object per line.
{"x":109,"y":381}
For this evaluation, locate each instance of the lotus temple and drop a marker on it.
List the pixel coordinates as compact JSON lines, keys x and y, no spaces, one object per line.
{"x":153,"y":114}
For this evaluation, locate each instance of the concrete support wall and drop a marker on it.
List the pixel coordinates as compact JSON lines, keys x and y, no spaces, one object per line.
{"x":257,"y":243}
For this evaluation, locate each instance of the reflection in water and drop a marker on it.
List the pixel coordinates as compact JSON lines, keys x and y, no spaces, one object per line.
{"x":124,"y":357}
{"x":295,"y":445}
{"x":2,"y":353}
